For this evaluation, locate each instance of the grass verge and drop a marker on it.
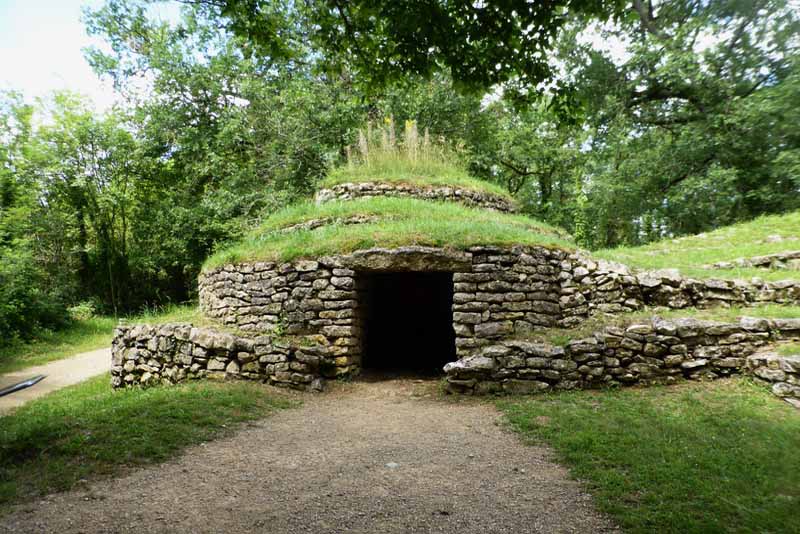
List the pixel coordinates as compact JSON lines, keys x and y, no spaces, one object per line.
{"x":76,"y":337}
{"x":699,"y":457}
{"x":88,"y":430}
{"x":689,"y":254}
{"x":402,"y":221}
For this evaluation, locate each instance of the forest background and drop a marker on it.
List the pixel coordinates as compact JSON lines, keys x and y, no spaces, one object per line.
{"x":621,"y":122}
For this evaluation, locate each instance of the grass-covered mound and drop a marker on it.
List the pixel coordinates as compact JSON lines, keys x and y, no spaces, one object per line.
{"x":382,"y":156}
{"x":689,"y":254}
{"x":399,"y":222}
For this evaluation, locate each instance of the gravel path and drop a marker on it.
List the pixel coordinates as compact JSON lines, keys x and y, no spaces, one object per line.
{"x":369,"y":457}
{"x":58,"y":374}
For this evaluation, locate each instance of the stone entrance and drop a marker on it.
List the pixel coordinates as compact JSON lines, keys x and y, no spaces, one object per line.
{"x":408,"y":321}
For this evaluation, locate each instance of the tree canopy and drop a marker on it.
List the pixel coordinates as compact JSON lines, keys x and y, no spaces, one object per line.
{"x":478,"y":44}
{"x":682,"y":117}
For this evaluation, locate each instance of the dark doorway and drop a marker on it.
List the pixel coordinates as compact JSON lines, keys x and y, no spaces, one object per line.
{"x":408,"y":322}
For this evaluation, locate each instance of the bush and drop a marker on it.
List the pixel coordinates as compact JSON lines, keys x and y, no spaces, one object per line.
{"x":82,"y":312}
{"x":24,"y":306}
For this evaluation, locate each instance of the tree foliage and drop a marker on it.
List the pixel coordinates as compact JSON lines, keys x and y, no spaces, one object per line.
{"x":682,"y":117}
{"x":28,"y":298}
{"x":686,"y":127}
{"x":478,"y":44}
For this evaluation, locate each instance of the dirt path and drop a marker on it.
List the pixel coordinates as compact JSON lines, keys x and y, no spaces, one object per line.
{"x":59,"y":374}
{"x":370,"y":457}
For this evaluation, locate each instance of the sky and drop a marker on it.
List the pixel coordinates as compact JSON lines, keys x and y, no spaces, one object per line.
{"x":41,"y":44}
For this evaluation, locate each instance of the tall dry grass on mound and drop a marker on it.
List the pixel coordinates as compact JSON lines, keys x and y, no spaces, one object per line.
{"x":382,"y":154}
{"x":381,"y":147}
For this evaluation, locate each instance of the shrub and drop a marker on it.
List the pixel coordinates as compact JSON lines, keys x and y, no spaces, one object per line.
{"x":24,"y":306}
{"x":82,"y":311}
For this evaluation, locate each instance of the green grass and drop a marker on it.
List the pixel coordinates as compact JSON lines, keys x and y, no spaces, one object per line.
{"x":789,"y":349}
{"x":690,"y":254}
{"x":90,"y":430}
{"x":561,"y":336}
{"x":76,"y":337}
{"x":403,"y":221}
{"x":186,"y":314}
{"x":699,"y":457}
{"x":173,"y":313}
{"x":83,"y":336}
{"x":433,"y":167}
{"x":393,"y":208}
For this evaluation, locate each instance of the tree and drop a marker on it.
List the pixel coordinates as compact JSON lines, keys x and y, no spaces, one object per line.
{"x":28,"y":301}
{"x":478,"y":44}
{"x":684,"y":124}
{"x":87,"y":167}
{"x":226,"y":136}
{"x":537,"y":158}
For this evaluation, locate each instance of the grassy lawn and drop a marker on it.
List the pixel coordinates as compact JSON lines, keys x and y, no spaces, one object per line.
{"x":700,"y":457}
{"x":743,"y":240}
{"x":89,"y":430}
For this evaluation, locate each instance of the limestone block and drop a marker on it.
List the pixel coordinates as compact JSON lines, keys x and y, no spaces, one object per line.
{"x":524,"y":387}
{"x":494,"y":329}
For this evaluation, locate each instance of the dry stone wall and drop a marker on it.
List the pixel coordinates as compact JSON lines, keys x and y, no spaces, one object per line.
{"x":304,"y":298}
{"x":781,"y":260}
{"x":505,"y":292}
{"x":782,"y":373}
{"x":589,"y":286}
{"x":296,"y":298}
{"x":350,"y":191}
{"x":497,"y":293}
{"x":508,"y":292}
{"x":500,"y":295}
{"x":171,"y":353}
{"x":657,"y":351}
{"x":309,"y":297}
